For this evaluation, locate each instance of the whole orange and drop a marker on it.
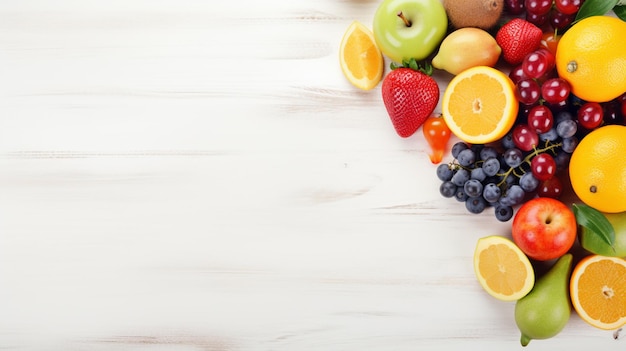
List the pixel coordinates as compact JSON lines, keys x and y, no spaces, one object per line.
{"x":591,"y":56}
{"x":597,"y":169}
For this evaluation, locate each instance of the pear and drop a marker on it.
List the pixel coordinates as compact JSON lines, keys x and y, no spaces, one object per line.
{"x":545,"y":311}
{"x":465,"y":48}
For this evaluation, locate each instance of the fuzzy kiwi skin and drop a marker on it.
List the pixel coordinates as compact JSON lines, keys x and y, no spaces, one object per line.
{"x":482,"y":14}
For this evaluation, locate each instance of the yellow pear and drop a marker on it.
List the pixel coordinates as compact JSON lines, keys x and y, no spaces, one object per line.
{"x":465,"y":48}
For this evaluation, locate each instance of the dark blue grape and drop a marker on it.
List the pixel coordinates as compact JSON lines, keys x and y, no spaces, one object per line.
{"x":513,"y":157}
{"x":528,"y":182}
{"x":491,"y":166}
{"x":566,"y":128}
{"x":569,"y":144}
{"x":460,"y":177}
{"x":562,"y":160}
{"x":507,"y":179}
{"x":473,"y":188}
{"x":563,"y":116}
{"x":488,"y":152}
{"x":475,"y":205}
{"x":503,"y":213}
{"x":447,"y":189}
{"x":513,"y":196}
{"x":491,"y":192}
{"x":444,"y":172}
{"x":550,"y":135}
{"x":466,"y":157}
{"x":507,"y":141}
{"x":478,"y":174}
{"x":457,"y":148}
{"x":460,"y":194}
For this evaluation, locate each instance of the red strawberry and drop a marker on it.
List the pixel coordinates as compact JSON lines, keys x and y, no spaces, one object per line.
{"x":410,"y":97}
{"x":518,"y":38}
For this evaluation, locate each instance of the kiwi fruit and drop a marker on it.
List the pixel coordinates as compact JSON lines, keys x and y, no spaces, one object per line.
{"x":482,"y":14}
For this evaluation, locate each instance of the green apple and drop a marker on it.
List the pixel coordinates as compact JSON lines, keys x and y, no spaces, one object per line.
{"x":405,"y":29}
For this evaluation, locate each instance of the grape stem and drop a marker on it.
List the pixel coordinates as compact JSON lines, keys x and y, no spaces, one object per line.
{"x":548,"y":147}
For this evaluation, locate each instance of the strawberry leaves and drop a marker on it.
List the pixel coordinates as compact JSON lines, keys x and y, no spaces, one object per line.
{"x":422,"y":66}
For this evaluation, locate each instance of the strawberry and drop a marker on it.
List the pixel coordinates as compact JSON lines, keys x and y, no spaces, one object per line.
{"x":518,"y":38}
{"x":410,"y":97}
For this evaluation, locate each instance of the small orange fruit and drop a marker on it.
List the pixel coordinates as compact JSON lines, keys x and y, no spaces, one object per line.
{"x":591,"y":56}
{"x":360,"y":59}
{"x":598,"y":291}
{"x":479,"y":105}
{"x":502,"y":269}
{"x":597,"y":169}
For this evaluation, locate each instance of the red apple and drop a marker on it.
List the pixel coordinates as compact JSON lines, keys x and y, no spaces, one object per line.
{"x":544,"y":228}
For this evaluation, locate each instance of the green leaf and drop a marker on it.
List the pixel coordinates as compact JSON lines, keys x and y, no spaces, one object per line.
{"x":595,"y":222}
{"x":620,"y":11}
{"x":594,"y":8}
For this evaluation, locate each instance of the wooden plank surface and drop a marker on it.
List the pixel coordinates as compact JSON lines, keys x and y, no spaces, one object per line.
{"x":198,"y":175}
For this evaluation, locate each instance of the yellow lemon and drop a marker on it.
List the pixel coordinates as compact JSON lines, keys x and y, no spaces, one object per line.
{"x":502,"y":269}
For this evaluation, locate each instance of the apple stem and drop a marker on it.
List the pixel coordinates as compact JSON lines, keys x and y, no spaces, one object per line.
{"x":404,"y":19}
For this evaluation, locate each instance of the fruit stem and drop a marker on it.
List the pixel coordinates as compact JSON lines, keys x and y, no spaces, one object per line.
{"x":548,"y":147}
{"x":524,"y":340}
{"x":404,"y":19}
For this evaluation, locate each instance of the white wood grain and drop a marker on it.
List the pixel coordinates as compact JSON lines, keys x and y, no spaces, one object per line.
{"x":198,"y":175}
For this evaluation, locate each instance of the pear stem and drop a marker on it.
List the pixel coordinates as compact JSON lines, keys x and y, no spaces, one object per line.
{"x":404,"y":19}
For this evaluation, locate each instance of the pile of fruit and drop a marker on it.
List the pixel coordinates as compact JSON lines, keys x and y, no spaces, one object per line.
{"x":537,"y":101}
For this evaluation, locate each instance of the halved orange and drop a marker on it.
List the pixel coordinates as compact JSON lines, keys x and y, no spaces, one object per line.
{"x":502,"y":269}
{"x":598,"y":291}
{"x":361,"y":60}
{"x":479,"y":105}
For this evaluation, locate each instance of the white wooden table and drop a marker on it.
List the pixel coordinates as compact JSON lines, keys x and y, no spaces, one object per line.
{"x":198,"y":175}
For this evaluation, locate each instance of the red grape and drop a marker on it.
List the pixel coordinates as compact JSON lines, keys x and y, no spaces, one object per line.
{"x":538,"y":63}
{"x":555,"y":90}
{"x":590,"y":115}
{"x":527,"y":91}
{"x":568,"y":7}
{"x":540,"y":118}
{"x":517,"y":74}
{"x":538,"y":20}
{"x":543,"y":166}
{"x":538,"y":7}
{"x":514,"y":7}
{"x":612,"y":112}
{"x":560,"y":20}
{"x":552,"y":187}
{"x":524,"y":137}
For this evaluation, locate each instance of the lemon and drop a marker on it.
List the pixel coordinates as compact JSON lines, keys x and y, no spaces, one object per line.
{"x":502,"y":269}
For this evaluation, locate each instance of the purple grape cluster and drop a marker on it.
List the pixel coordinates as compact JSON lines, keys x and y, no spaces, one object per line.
{"x":502,"y":175}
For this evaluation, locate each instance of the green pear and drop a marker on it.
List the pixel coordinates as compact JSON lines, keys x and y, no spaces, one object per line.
{"x":594,"y":244}
{"x":544,"y":312}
